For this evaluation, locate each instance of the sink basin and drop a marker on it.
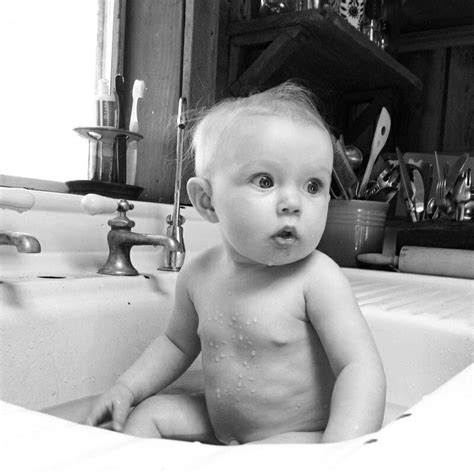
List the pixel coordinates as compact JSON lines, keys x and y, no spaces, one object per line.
{"x":66,"y":338}
{"x":63,"y":337}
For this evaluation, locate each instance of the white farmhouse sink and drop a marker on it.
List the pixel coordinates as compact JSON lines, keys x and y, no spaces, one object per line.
{"x":66,"y":332}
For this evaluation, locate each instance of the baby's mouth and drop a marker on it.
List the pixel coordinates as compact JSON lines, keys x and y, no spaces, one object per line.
{"x":285,"y":236}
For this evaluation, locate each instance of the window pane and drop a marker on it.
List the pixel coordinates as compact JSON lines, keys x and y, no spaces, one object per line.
{"x":48,"y":51}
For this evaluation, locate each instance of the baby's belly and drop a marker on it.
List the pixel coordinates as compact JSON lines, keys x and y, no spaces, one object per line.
{"x":257,"y":394}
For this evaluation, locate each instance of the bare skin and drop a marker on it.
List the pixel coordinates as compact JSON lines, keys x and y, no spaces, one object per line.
{"x":286,"y":353}
{"x":265,"y":370}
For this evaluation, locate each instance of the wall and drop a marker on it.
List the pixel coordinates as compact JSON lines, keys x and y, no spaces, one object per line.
{"x":173,"y":60}
{"x":444,"y":119}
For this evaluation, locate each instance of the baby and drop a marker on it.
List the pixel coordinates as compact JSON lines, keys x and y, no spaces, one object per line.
{"x":286,"y":354}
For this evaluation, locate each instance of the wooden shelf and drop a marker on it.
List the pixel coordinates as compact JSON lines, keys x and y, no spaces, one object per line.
{"x":317,"y":46}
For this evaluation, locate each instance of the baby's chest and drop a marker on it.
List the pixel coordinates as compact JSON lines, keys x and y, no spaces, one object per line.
{"x":246,"y":320}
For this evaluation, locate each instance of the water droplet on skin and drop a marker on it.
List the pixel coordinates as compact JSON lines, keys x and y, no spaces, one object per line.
{"x":251,"y":379}
{"x":239,"y":384}
{"x":234,"y":318}
{"x":217,"y":358}
{"x":241,"y":338}
{"x":211,"y":343}
{"x":254,"y":320}
{"x":222,"y":355}
{"x":253,"y":353}
{"x":240,"y":376}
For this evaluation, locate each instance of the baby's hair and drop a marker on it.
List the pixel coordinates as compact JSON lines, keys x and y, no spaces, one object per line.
{"x":288,"y":100}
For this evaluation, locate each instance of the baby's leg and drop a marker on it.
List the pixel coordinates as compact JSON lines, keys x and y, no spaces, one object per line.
{"x":295,"y":437}
{"x":181,"y":417}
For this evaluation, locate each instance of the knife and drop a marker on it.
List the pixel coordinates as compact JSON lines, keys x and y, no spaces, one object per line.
{"x":406,"y":187}
{"x":419,"y":193}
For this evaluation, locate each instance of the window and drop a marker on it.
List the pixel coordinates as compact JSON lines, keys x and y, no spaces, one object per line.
{"x":53,"y":53}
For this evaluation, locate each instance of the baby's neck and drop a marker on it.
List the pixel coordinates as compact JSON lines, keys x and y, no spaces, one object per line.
{"x":235,"y":263}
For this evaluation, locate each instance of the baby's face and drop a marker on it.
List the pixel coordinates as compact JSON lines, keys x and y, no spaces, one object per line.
{"x":271,"y":189}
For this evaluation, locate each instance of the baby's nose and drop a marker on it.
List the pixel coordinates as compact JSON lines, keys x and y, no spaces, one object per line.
{"x":289,"y":204}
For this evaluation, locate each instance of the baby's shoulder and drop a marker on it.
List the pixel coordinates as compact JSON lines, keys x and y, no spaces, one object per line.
{"x":324,"y":271}
{"x":202,"y":262}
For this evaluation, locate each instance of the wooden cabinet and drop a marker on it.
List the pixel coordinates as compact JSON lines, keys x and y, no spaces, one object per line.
{"x":316,"y":46}
{"x":351,"y":76}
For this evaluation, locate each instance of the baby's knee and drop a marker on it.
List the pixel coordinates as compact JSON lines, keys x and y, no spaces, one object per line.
{"x":147,"y":417}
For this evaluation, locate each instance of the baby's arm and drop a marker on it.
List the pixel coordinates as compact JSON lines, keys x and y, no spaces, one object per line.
{"x":164,"y":360}
{"x":358,"y":399}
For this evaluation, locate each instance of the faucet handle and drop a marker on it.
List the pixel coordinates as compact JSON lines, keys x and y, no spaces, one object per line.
{"x":17,"y":199}
{"x":94,"y":204}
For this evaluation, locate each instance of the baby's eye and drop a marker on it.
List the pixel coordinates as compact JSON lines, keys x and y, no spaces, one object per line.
{"x":312,"y":187}
{"x":263,"y":181}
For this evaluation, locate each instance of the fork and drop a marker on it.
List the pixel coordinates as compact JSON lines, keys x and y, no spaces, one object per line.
{"x":441,"y":201}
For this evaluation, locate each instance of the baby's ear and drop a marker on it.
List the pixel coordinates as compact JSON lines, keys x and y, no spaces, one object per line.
{"x":200,"y":194}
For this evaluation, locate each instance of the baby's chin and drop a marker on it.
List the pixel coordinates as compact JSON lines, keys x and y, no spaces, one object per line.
{"x":280,"y":260}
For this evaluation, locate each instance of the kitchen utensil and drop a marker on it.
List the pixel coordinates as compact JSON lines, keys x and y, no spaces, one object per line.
{"x":438,"y":166}
{"x":406,"y":187}
{"x":425,"y":260}
{"x":441,"y":197}
{"x":419,"y":189}
{"x":389,"y":177}
{"x":342,"y":172}
{"x":382,"y":131}
{"x":462,"y":193}
{"x":430,"y":208}
{"x":354,"y":156}
{"x":427,"y":175}
{"x":455,"y":171}
{"x":385,"y":194}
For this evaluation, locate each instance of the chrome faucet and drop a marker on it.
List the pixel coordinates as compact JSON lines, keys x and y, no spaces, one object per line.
{"x":121,"y":239}
{"x":24,"y":243}
{"x":173,"y":260}
{"x":19,"y":200}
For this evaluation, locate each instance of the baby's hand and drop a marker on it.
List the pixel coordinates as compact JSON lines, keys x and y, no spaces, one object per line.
{"x":113,"y":405}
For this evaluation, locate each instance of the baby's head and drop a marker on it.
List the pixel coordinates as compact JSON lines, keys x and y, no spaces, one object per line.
{"x":288,"y":100}
{"x":263,"y":172}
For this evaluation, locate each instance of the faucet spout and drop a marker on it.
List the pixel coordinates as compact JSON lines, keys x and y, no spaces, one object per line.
{"x":129,"y":239}
{"x":121,"y":242}
{"x":24,"y":243}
